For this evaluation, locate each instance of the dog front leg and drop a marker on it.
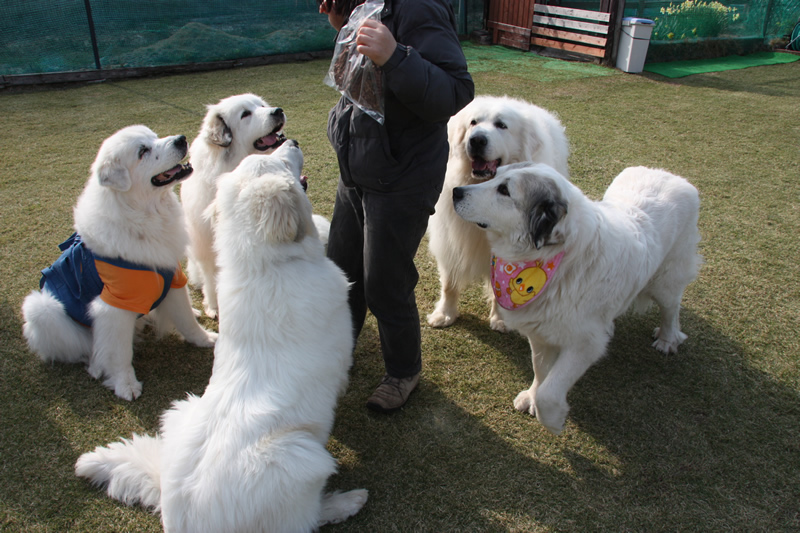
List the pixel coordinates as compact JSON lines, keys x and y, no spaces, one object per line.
{"x":112,"y":349}
{"x":551,"y":395}
{"x":446,"y":310}
{"x":542,"y":357}
{"x":495,"y":320}
{"x":177,"y":307}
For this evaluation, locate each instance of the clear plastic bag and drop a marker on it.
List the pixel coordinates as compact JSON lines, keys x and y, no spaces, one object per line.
{"x":353,"y":74}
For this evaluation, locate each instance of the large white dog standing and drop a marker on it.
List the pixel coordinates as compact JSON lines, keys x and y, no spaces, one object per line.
{"x":489,"y":132}
{"x":124,"y":259}
{"x":249,"y":455}
{"x":565,"y":267}
{"x":232,"y":129}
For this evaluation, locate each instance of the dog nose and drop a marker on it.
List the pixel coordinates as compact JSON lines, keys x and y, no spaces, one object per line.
{"x":458,"y":193}
{"x":277,"y":111}
{"x":478,"y":141}
{"x":180,"y":142}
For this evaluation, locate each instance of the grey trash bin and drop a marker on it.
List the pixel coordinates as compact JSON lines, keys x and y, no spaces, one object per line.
{"x":633,"y":42}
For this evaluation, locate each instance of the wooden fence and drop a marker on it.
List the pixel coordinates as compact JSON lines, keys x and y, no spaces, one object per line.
{"x":527,"y":24}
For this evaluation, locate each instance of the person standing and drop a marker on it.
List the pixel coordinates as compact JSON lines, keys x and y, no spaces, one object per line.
{"x":391,"y":174}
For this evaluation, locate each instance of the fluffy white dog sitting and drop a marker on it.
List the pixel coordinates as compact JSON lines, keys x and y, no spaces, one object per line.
{"x":123,"y":261}
{"x":232,"y":129}
{"x":249,"y":455}
{"x":489,"y":132}
{"x":565,"y":267}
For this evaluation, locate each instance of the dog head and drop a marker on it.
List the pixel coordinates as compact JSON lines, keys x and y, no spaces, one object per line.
{"x":136,"y":159}
{"x":523,"y":207}
{"x":263,"y":201}
{"x":243,"y":124}
{"x":493,"y":131}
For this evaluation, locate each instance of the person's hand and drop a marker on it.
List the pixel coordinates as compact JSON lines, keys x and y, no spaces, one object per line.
{"x":375,"y":41}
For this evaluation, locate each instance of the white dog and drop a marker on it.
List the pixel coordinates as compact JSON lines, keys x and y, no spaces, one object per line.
{"x":123,"y":261}
{"x":565,"y":267}
{"x":489,"y":132}
{"x":249,"y":455}
{"x":234,"y":128}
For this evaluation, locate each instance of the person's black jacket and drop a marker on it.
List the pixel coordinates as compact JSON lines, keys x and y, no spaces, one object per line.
{"x":425,"y":82}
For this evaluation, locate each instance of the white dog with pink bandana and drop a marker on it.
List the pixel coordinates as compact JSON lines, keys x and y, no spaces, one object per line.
{"x":566,"y":267}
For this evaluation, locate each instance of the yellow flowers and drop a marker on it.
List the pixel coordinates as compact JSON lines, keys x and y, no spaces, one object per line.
{"x":694,"y":19}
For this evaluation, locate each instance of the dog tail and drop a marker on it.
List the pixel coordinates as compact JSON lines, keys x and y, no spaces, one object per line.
{"x":130,"y":470}
{"x":51,"y":333}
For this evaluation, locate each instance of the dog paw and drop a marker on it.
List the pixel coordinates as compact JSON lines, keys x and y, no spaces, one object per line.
{"x":339,"y":506}
{"x":440,"y":319}
{"x":126,"y":387}
{"x":552,"y":414}
{"x":524,"y":402}
{"x":497,"y":324}
{"x":206,"y":341}
{"x":668,"y":343}
{"x":211,"y":312}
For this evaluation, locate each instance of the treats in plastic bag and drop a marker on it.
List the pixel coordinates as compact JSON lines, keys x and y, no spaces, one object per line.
{"x":353,"y":74}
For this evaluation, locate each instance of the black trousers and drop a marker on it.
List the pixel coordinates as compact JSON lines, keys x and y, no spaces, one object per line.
{"x":373,"y":239}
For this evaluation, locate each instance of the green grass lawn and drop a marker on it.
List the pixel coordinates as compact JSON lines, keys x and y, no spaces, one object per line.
{"x":705,"y":440}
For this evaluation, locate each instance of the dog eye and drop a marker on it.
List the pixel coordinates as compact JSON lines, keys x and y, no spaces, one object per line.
{"x":246,"y":114}
{"x":500,"y":125}
{"x":143,"y":150}
{"x":473,"y":122}
{"x":502,"y":189}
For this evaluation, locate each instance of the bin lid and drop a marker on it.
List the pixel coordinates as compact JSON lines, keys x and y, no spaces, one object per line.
{"x":632,"y":21}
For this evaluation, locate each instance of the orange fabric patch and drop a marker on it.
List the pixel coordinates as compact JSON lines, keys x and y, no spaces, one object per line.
{"x":132,"y":290}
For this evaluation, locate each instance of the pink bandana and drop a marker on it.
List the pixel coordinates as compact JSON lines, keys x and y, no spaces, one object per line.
{"x":516,"y":285}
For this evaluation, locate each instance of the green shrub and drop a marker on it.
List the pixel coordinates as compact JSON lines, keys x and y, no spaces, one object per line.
{"x":693,"y":19}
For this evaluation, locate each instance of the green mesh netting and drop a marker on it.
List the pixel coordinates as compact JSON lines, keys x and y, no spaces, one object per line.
{"x":56,"y":35}
{"x":698,"y":20}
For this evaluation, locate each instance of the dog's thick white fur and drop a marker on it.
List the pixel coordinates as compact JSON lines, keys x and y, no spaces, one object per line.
{"x":232,"y":129}
{"x":249,"y":455}
{"x":489,"y":132}
{"x":637,"y":245}
{"x":127,"y":210}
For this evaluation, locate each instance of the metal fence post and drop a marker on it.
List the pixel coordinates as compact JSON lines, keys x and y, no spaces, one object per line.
{"x":92,"y":34}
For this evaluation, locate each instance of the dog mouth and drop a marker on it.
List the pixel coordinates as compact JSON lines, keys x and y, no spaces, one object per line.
{"x":483,"y":169}
{"x":271,"y":141}
{"x":177,"y":173}
{"x":304,"y":182}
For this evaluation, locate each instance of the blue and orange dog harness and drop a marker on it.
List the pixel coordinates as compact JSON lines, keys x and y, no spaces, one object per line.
{"x":79,"y":276}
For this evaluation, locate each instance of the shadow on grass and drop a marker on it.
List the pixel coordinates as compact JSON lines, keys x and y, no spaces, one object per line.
{"x":432,"y":466}
{"x":703,"y":433}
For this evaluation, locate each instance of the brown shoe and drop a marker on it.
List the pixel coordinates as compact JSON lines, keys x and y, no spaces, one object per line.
{"x":392,"y":393}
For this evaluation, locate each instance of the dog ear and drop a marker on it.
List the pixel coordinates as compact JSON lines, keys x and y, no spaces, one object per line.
{"x":456,"y":132}
{"x":276,"y":211}
{"x":218,"y":131}
{"x":113,"y":174}
{"x":542,"y":221}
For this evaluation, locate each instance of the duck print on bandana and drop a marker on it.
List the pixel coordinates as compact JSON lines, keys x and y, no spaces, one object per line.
{"x":516,"y":284}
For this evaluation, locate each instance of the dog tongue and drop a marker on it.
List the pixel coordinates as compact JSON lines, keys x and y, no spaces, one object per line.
{"x":267,"y":141}
{"x":164,"y":176}
{"x":481,"y":165}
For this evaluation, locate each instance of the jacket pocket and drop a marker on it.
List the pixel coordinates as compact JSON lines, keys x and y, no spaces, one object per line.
{"x":370,"y":157}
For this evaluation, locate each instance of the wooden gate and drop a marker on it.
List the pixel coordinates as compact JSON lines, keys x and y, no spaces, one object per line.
{"x":526,"y":23}
{"x":510,"y":22}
